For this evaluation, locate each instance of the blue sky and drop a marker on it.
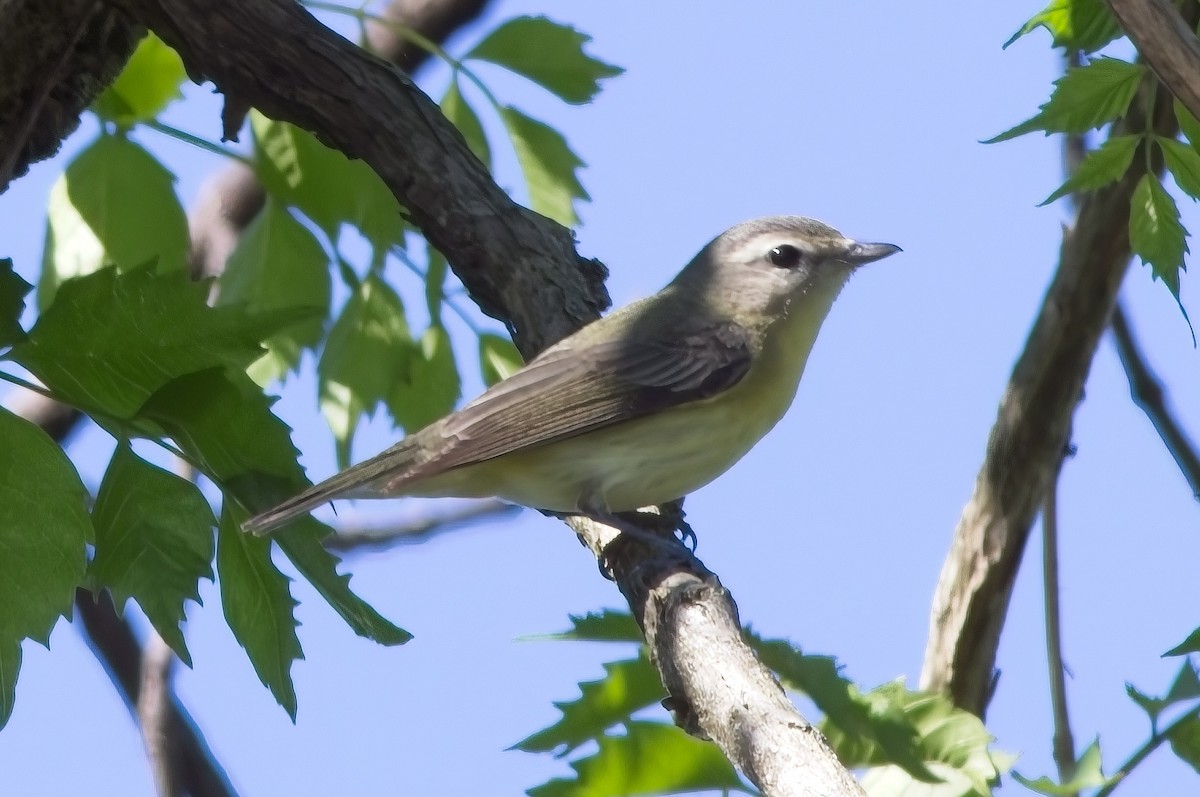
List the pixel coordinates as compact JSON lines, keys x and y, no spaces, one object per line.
{"x":833,"y":531}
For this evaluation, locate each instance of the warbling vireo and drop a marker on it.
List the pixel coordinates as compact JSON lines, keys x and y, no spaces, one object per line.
{"x":642,"y":406}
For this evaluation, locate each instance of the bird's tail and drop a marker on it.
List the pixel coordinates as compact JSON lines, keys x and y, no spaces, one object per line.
{"x":358,"y":481}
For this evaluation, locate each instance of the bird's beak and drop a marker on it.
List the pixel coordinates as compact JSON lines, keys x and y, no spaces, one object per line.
{"x":858,"y":254}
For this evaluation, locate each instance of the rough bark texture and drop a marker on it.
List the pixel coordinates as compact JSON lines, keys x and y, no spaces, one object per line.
{"x":1030,"y":433}
{"x":522,"y":269}
{"x":55,"y":58}
{"x":1165,"y":40}
{"x":717,"y":688}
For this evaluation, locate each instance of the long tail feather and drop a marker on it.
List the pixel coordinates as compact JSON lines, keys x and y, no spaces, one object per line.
{"x":355,"y":481}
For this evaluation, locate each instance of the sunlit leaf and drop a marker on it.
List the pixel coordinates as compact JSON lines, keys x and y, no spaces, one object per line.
{"x":548,"y":164}
{"x":627,"y":686}
{"x":149,"y":82}
{"x":498,"y":358}
{"x":1086,"y":97}
{"x":279,"y":265}
{"x":1102,"y":166}
{"x":549,"y":54}
{"x":367,"y":351}
{"x":650,"y":758}
{"x":463,"y":116}
{"x":1155,"y":233}
{"x":324,"y":184}
{"x":1085,"y":25}
{"x":1183,"y":162}
{"x":113,"y":204}
{"x":431,"y":386}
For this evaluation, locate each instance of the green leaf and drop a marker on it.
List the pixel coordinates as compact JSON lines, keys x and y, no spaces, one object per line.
{"x":10,"y":667}
{"x":498,"y":358}
{"x":1088,"y":775}
{"x":1102,"y":166}
{"x":111,"y":340}
{"x":278,"y":264}
{"x":258,"y":607}
{"x":1184,"y":164}
{"x":1189,"y":645}
{"x":1186,"y":686}
{"x":627,"y":686}
{"x":952,"y":743}
{"x":368,"y":350}
{"x":224,"y":424}
{"x":149,"y":82}
{"x":1155,"y":233}
{"x":431,"y":387}
{"x":1086,"y":97}
{"x":302,"y":545}
{"x":651,"y":758}
{"x":463,"y":116}
{"x":549,"y":54}
{"x":1187,"y":123}
{"x":1085,"y":25}
{"x":1185,"y":741}
{"x":324,"y":184}
{"x":882,"y":731}
{"x":44,"y":530}
{"x":12,"y":304}
{"x":548,"y":164}
{"x":604,"y":626}
{"x":113,"y":204}
{"x":154,"y":542}
{"x":435,"y":282}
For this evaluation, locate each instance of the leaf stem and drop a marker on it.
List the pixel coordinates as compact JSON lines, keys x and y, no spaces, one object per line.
{"x":197,"y":141}
{"x":1145,"y":750}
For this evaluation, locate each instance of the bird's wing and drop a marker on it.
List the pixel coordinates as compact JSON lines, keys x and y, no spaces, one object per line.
{"x":562,"y":393}
{"x":571,"y":391}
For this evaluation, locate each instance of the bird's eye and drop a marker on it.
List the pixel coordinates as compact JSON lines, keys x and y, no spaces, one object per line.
{"x":786,"y":256}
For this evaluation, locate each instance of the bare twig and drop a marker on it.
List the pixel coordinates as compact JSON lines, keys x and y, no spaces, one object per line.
{"x":154,"y":715}
{"x":1030,"y":432}
{"x":1165,"y":39}
{"x":114,"y":644}
{"x":1064,"y":740}
{"x":1147,"y":392}
{"x":1149,"y":746}
{"x":416,"y":530}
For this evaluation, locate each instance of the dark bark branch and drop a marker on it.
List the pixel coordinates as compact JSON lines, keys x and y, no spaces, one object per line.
{"x":55,"y":58}
{"x":1030,"y":432}
{"x":521,"y":268}
{"x":1165,"y":40}
{"x":1147,"y":392}
{"x":196,"y":769}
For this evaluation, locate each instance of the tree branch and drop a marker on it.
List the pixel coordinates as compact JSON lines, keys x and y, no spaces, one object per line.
{"x":1147,"y":392}
{"x":521,"y":268}
{"x":417,"y":530}
{"x":1165,"y":40}
{"x":196,"y":770}
{"x":55,"y":58}
{"x":1030,"y":432}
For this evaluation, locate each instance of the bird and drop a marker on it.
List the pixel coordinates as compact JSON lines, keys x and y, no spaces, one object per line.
{"x":640,"y":407}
